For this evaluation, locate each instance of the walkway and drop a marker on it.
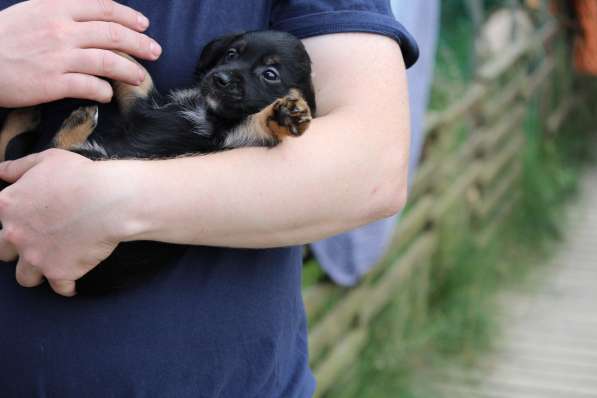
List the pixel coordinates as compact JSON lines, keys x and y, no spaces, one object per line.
{"x":549,"y":349}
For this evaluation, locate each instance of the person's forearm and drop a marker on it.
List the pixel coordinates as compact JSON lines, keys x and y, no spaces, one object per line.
{"x":338,"y":176}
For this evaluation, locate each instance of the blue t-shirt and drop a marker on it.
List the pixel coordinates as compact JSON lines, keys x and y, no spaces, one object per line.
{"x":220,"y":322}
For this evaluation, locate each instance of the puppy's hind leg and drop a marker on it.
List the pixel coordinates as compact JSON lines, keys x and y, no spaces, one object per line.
{"x":127,"y":94}
{"x":76,"y":128}
{"x":17,"y":122}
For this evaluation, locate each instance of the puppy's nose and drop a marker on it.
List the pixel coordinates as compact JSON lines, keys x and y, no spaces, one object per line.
{"x":222,"y":79}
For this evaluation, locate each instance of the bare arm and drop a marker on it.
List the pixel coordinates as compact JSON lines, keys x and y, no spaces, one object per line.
{"x":349,"y":169}
{"x":64,"y":214}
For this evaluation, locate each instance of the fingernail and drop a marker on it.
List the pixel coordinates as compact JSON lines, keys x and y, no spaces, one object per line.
{"x":142,"y":21}
{"x":141,"y":76}
{"x":155,"y":49}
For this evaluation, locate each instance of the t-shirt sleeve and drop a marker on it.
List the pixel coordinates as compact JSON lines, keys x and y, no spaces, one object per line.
{"x":307,"y":18}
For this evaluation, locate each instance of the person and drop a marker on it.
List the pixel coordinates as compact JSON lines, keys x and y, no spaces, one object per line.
{"x":347,"y":257}
{"x":227,"y":319}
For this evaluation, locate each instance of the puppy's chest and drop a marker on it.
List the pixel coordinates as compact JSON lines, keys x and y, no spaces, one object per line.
{"x":190,"y":105}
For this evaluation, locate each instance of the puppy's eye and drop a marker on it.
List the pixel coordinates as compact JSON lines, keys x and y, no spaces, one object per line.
{"x":271,"y":75}
{"x":231,"y":54}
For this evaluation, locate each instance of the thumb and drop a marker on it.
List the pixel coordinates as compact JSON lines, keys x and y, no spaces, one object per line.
{"x":11,"y":171}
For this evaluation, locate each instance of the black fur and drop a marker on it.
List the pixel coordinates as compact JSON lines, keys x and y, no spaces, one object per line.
{"x":185,"y":122}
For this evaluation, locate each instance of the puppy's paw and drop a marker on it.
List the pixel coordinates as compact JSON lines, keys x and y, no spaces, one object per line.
{"x":290,"y":116}
{"x":77,"y":127}
{"x":86,"y":116}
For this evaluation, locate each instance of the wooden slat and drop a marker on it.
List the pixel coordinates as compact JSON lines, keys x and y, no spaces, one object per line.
{"x":436,"y":172}
{"x":496,"y":221}
{"x":410,"y":227}
{"x":496,"y":196}
{"x":337,"y":322}
{"x":474,"y":94}
{"x":344,"y":354}
{"x":539,"y":77}
{"x":381,"y":294}
{"x":512,"y":149}
{"x":555,"y":120}
{"x":500,"y":65}
{"x":505,"y":98}
{"x":502,"y":131}
{"x":414,"y":222}
{"x":456,"y":191}
{"x":486,"y":140}
{"x":317,"y":297}
{"x":423,"y":179}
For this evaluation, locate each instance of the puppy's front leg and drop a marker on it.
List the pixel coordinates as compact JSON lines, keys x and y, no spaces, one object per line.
{"x":17,"y":122}
{"x":288,"y":116}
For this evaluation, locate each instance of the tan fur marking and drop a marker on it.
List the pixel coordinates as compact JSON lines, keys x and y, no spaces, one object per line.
{"x":76,"y":128}
{"x":261,"y":122}
{"x":289,"y":116}
{"x":127,"y":94}
{"x":17,"y":122}
{"x":255,"y":129}
{"x":272,"y":60}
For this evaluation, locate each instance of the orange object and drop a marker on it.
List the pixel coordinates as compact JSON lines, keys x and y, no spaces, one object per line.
{"x":585,"y":52}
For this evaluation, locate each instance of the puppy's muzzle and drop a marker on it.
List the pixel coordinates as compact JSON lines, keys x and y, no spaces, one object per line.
{"x":227,"y":83}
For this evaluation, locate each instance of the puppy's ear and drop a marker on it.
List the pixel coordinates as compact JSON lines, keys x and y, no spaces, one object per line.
{"x":213,"y":52}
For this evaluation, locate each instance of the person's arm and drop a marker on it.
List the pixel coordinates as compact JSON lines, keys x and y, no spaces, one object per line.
{"x":348,"y":169}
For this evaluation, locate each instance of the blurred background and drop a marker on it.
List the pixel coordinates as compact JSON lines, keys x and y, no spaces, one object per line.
{"x":486,"y":285}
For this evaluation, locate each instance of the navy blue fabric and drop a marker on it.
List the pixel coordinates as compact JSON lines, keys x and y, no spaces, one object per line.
{"x":219,"y":322}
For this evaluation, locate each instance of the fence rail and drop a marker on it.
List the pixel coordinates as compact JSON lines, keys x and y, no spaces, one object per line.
{"x":480,"y":171}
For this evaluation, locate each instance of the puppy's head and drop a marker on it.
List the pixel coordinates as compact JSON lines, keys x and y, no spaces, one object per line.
{"x":241,"y":74}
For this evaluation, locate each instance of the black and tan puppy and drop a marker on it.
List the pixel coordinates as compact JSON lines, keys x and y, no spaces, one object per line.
{"x":252,"y":89}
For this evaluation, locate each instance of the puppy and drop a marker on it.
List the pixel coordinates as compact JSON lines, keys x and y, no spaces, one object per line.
{"x":251,"y":89}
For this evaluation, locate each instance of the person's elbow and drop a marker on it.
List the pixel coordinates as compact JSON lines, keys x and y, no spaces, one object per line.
{"x":388,"y":198}
{"x":394,"y":202}
{"x":388,"y":190}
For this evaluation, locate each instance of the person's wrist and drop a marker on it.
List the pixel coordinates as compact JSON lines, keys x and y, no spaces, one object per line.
{"x":130,"y":216}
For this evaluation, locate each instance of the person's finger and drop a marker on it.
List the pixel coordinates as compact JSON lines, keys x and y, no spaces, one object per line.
{"x":7,"y":250}
{"x":108,"y":11}
{"x":12,"y":170}
{"x":62,"y":287}
{"x":82,"y":86}
{"x":112,"y":36}
{"x":106,"y":64}
{"x":27,"y":275}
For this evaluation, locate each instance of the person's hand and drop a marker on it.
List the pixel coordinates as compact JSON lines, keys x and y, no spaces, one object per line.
{"x":55,"y":49}
{"x":60,"y":217}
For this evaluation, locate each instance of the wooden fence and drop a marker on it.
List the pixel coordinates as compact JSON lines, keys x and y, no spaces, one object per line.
{"x":479,"y":168}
